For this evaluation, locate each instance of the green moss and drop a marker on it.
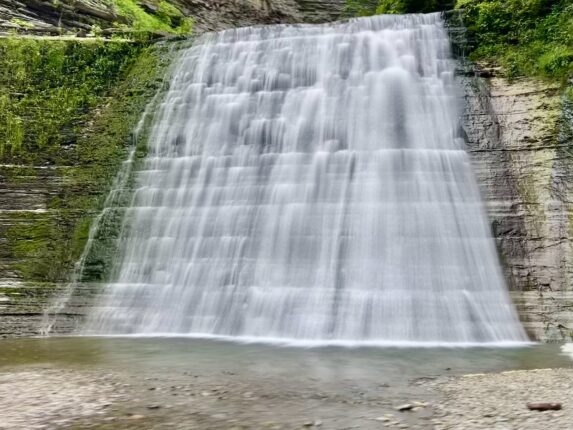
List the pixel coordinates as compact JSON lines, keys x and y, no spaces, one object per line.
{"x":371,"y":7}
{"x":46,"y":87}
{"x":391,"y":7}
{"x":76,"y":103}
{"x":22,"y":23}
{"x":360,"y":7}
{"x":166,"y":18}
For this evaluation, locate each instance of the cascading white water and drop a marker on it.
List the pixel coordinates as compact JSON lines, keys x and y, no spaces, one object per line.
{"x":309,"y":183}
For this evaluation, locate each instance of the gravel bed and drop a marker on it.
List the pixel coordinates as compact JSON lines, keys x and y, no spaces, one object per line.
{"x":52,"y":398}
{"x":47,"y":398}
{"x":499,"y":400}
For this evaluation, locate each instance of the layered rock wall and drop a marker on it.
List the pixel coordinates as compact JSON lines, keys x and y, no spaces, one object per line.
{"x":316,"y":11}
{"x":44,"y":17}
{"x":519,"y":137}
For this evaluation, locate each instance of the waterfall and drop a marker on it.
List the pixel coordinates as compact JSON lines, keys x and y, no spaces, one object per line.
{"x":309,"y":183}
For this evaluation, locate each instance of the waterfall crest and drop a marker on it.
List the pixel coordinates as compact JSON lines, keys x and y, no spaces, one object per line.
{"x":309,"y":183}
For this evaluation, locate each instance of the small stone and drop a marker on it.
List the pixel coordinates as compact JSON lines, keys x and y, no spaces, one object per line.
{"x":153,"y":407}
{"x":544,"y":406}
{"x":384,"y":419}
{"x":404,"y":407}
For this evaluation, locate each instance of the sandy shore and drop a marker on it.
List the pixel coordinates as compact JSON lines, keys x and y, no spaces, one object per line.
{"x":49,"y":398}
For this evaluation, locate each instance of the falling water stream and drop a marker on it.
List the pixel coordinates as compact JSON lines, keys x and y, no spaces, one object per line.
{"x":309,"y":184}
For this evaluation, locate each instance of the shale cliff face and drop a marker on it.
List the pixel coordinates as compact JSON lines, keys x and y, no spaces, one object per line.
{"x":44,"y":17}
{"x":519,"y":136}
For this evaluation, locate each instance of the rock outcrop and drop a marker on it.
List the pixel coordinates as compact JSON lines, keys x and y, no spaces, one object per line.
{"x":317,"y":11}
{"x":519,"y":137}
{"x":215,"y":15}
{"x":63,"y":137}
{"x":44,"y":17}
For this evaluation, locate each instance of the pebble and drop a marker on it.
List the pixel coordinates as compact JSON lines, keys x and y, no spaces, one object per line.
{"x":404,"y":407}
{"x":384,"y":419}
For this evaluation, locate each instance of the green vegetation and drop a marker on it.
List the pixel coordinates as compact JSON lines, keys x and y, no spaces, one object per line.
{"x":22,"y":23}
{"x":159,"y":16}
{"x":371,"y":7}
{"x":45,"y":89}
{"x":524,"y":37}
{"x":361,"y":7}
{"x":67,"y":109}
{"x":134,"y":19}
{"x":413,"y":6}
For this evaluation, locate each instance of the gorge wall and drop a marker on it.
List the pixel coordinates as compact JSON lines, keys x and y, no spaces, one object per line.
{"x":519,"y":136}
{"x":43,"y":17}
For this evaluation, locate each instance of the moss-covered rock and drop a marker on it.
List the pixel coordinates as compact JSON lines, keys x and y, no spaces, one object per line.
{"x":65,"y":128}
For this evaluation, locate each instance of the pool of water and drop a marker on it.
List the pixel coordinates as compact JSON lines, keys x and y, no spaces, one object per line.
{"x":326,"y":364}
